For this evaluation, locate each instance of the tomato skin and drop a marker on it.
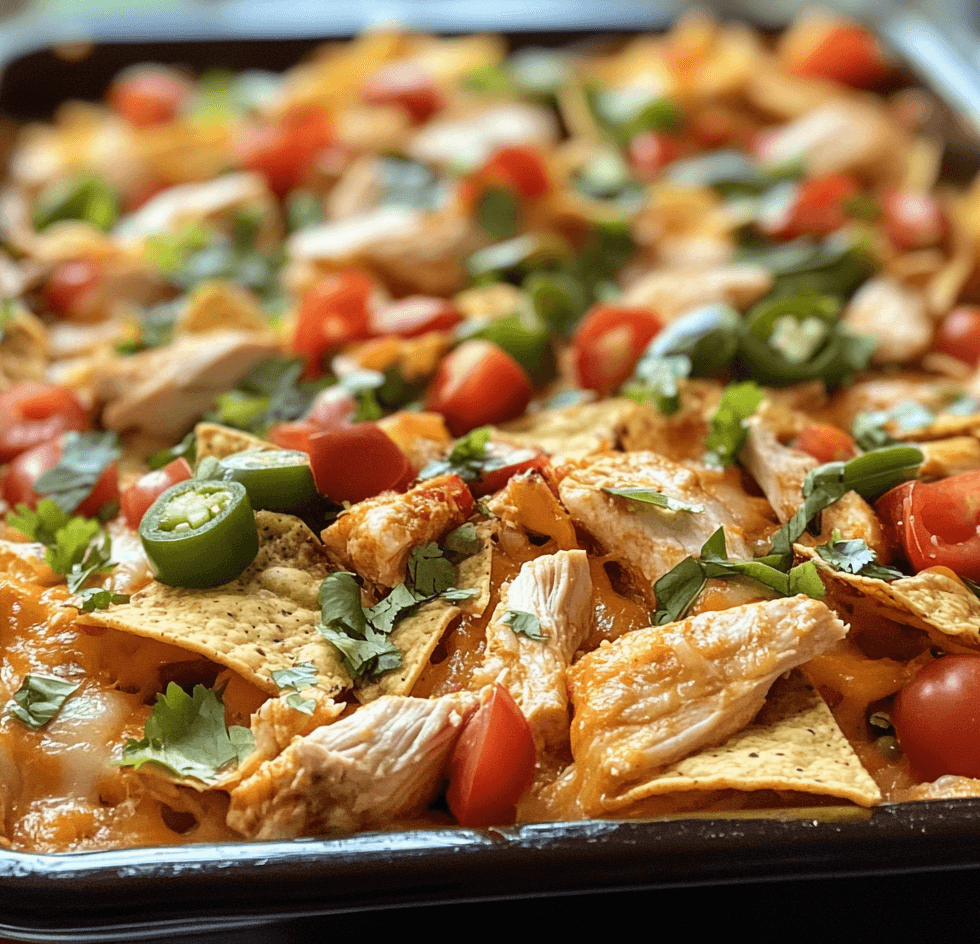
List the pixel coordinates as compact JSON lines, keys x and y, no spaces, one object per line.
{"x":406,"y":85}
{"x":283,"y":150}
{"x":518,"y":167}
{"x":492,"y":764}
{"x":146,"y":490}
{"x":149,"y":96}
{"x":608,"y":344}
{"x":295,"y":435}
{"x":936,"y":522}
{"x":478,"y":384}
{"x":959,"y":334}
{"x":332,"y":313}
{"x":826,"y":443}
{"x":817,"y":209}
{"x":34,"y":413}
{"x":414,"y":316}
{"x":937,"y":718}
{"x":912,"y":220}
{"x":518,"y":460}
{"x":17,"y":483}
{"x":838,"y":52}
{"x":69,"y":283}
{"x":652,"y":151}
{"x":351,"y":463}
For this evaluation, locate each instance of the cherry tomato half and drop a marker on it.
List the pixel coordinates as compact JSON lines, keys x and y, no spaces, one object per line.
{"x":135,"y":500}
{"x":839,"y":52}
{"x":959,"y":334}
{"x":351,"y":463}
{"x":937,"y":718}
{"x":149,"y":95}
{"x":478,"y":384}
{"x":69,"y":284}
{"x":519,"y":167}
{"x":33,"y":413}
{"x":651,"y":152}
{"x":332,"y":313}
{"x":492,"y":764}
{"x":406,"y":85}
{"x":17,"y":482}
{"x":912,"y":220}
{"x":609,"y":342}
{"x":826,"y":443}
{"x":815,"y":208}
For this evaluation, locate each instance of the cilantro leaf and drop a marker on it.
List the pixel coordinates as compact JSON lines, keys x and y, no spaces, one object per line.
{"x":397,"y":605}
{"x":738,"y":402}
{"x":187,"y":735}
{"x":294,"y":680}
{"x":465,"y":459}
{"x":853,"y":556}
{"x":524,"y":624}
{"x":96,"y":598}
{"x":39,"y":699}
{"x":656,"y":380}
{"x":870,"y":428}
{"x":650,"y":496}
{"x":429,"y":572}
{"x":462,"y":542}
{"x":84,"y":457}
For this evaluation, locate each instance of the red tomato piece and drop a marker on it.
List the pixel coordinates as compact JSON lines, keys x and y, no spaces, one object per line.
{"x":839,"y":52}
{"x":959,"y":334}
{"x":406,"y":85}
{"x":351,"y":463}
{"x":492,"y":764}
{"x":609,"y":342}
{"x":937,"y":718}
{"x":416,"y":315}
{"x":33,"y":413}
{"x":826,"y":443}
{"x":514,"y":462}
{"x":69,"y":284}
{"x":148,"y":488}
{"x":651,"y":152}
{"x":149,"y":95}
{"x":520,"y":168}
{"x":817,"y":207}
{"x":18,"y":480}
{"x":294,"y":435}
{"x":912,"y":220}
{"x":283,"y":151}
{"x":333,"y":312}
{"x":478,"y":384}
{"x":937,"y":523}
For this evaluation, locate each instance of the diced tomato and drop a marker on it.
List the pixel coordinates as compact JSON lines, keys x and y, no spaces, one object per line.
{"x":492,"y":764}
{"x":333,"y":312}
{"x":17,"y":484}
{"x":937,"y":523}
{"x":332,"y":407}
{"x":149,"y":95}
{"x":609,"y":342}
{"x":518,"y":167}
{"x":418,"y":314}
{"x":959,"y":334}
{"x":512,"y":462}
{"x":826,"y":443}
{"x":351,"y":463}
{"x":839,"y":52}
{"x":69,"y":284}
{"x":34,"y":413}
{"x":478,"y":384}
{"x":912,"y":220}
{"x":295,"y":435}
{"x":406,"y":85}
{"x":284,"y":150}
{"x":651,"y":152}
{"x":148,"y":488}
{"x":817,"y":207}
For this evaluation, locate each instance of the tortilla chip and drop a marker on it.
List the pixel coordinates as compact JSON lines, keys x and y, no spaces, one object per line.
{"x":264,"y":621}
{"x":793,"y":744}
{"x":935,"y":602}
{"x":221,"y":305}
{"x":418,"y":635}
{"x":220,"y":441}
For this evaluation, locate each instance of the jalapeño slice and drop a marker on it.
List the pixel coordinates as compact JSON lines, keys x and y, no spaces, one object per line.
{"x":200,"y":533}
{"x":275,"y":479}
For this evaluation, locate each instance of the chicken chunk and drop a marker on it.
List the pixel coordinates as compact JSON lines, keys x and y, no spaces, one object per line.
{"x":658,"y":694}
{"x":557,"y":589}
{"x":384,"y":761}
{"x":650,"y":540}
{"x":163,"y":391}
{"x":894,"y":316}
{"x":375,"y":538}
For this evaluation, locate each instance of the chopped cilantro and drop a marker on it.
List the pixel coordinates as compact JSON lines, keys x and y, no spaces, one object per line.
{"x":95,"y":598}
{"x":524,"y":624}
{"x":870,"y":428}
{"x":294,"y":680}
{"x":462,"y":542}
{"x":39,"y":699}
{"x":187,"y":735}
{"x":853,"y":556}
{"x":84,"y":457}
{"x":429,"y":572}
{"x":738,"y":402}
{"x":466,"y":459}
{"x":650,"y":496}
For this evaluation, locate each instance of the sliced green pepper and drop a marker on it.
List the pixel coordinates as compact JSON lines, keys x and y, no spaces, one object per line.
{"x":200,"y":533}
{"x":275,"y":479}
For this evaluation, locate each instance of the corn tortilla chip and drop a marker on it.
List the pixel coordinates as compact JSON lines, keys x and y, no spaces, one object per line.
{"x":220,"y":441}
{"x":264,"y":621}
